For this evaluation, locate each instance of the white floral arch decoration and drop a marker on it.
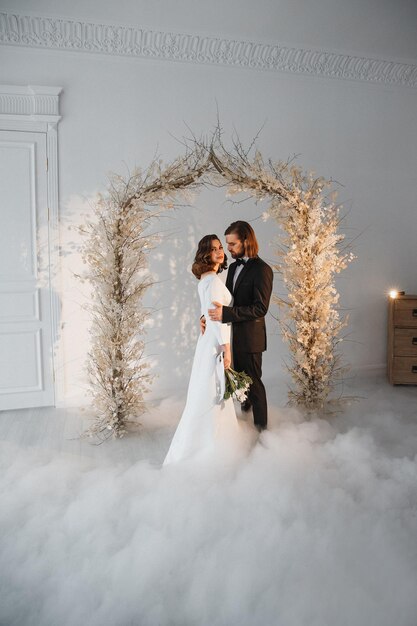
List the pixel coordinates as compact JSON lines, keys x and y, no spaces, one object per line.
{"x":309,"y":255}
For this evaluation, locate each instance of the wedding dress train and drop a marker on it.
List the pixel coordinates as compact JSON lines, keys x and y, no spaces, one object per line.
{"x":208,"y":422}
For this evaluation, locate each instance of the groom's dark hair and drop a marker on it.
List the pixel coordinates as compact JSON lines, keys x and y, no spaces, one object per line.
{"x":247,"y":236}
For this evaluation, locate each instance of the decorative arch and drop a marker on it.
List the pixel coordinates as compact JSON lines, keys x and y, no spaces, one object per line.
{"x":309,"y":255}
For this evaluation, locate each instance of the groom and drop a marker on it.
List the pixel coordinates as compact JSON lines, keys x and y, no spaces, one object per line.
{"x":249,"y":279}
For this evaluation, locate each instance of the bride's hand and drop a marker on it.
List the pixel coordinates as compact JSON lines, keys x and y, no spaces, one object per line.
{"x":227,"y":357}
{"x":202,"y":324}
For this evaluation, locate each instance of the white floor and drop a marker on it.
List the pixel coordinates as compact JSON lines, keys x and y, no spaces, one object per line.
{"x":315,"y":526}
{"x":60,"y":430}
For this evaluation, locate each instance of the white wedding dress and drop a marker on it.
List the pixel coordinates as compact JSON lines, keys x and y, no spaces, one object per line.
{"x":208,"y":423}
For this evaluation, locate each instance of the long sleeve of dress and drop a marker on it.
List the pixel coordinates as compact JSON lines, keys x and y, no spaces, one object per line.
{"x":216,"y":294}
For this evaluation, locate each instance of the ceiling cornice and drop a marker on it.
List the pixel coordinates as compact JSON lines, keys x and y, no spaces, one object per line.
{"x":74,"y":35}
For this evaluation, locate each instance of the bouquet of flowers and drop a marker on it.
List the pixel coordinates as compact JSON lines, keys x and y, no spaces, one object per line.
{"x":237,"y":385}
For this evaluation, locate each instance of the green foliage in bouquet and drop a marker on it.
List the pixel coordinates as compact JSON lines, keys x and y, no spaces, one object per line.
{"x":237,"y":385}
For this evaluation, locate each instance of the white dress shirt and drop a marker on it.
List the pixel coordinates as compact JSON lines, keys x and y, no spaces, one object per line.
{"x":238,"y":270}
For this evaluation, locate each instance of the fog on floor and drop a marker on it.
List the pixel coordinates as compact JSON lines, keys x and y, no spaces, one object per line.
{"x":314,"y":524}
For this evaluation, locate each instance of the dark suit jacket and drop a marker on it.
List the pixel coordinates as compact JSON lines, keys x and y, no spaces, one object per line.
{"x":251,"y":298}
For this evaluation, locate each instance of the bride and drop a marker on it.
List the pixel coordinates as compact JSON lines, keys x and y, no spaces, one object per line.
{"x":208,"y":421}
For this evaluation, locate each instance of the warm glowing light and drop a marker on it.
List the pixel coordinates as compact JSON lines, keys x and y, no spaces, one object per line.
{"x":393,"y":294}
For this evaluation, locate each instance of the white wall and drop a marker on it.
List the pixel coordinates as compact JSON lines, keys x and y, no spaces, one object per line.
{"x":118,"y":111}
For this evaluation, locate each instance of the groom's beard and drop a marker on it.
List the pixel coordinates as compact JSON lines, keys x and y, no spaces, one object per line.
{"x":238,"y":255}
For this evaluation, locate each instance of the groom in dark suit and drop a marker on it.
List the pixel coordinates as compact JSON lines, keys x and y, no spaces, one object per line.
{"x":249,"y":279}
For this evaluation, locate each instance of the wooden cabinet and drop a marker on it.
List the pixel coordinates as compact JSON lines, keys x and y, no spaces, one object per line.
{"x":402,"y":340}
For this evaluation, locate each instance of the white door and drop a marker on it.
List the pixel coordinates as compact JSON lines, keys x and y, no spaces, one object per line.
{"x":26,"y":363}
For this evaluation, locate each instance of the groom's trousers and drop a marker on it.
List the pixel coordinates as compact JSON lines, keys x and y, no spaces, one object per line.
{"x":251,"y":363}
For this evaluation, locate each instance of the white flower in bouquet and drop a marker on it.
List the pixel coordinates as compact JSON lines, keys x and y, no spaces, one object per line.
{"x":240,"y":394}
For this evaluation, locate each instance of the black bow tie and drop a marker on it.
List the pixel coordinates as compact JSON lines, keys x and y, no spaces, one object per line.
{"x":240,"y":261}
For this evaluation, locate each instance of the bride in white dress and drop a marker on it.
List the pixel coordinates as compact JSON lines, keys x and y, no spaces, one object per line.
{"x":208,"y":422}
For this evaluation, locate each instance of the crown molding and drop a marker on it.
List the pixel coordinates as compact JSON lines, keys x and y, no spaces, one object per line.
{"x":74,"y":35}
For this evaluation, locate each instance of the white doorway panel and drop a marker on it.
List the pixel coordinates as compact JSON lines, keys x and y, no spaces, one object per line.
{"x":26,"y":350}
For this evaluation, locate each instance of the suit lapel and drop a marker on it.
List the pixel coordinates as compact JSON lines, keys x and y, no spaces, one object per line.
{"x":229,"y":279}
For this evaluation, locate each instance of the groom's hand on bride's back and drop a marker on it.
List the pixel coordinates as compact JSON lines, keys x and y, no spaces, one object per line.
{"x":202,"y":324}
{"x":216,"y":314}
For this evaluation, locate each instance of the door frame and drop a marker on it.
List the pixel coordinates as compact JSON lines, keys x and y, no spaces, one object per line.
{"x":35,"y":108}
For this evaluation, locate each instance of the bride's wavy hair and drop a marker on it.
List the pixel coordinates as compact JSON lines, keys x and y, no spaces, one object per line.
{"x":202,"y":262}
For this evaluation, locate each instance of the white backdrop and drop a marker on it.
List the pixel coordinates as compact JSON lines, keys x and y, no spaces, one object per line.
{"x":118,"y":111}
